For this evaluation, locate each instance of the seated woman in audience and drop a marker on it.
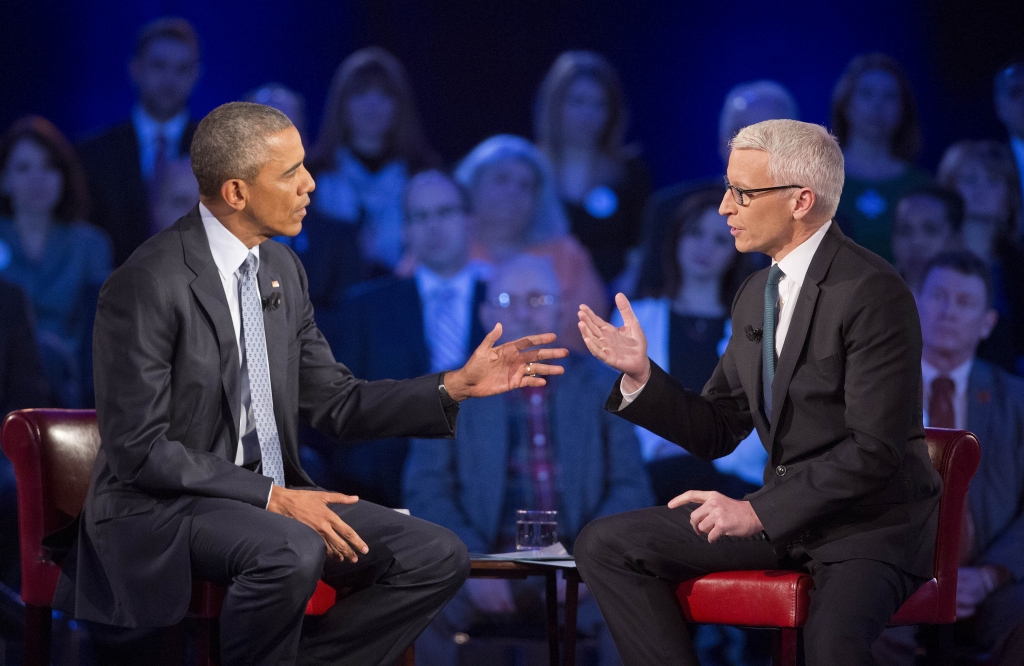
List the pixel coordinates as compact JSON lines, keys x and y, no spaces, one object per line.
{"x":580,"y":120}
{"x":874,"y":116}
{"x":928,"y":222}
{"x":687,"y":326}
{"x":45,"y":248}
{"x":983,"y":173}
{"x":370,"y":141}
{"x":516,"y":209}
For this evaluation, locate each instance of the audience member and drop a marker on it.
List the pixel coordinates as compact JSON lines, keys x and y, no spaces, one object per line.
{"x":21,"y":386}
{"x":175,"y":193}
{"x":963,"y":391}
{"x":580,"y":122}
{"x":285,"y":100}
{"x":370,"y":141}
{"x":549,"y":448}
{"x":874,"y":116}
{"x":983,"y":173}
{"x":516,"y":209}
{"x":927,"y":224}
{"x":687,"y":327}
{"x":1009,"y":97}
{"x":398,"y":328}
{"x":45,"y":247}
{"x":125,"y":161}
{"x":746,"y":104}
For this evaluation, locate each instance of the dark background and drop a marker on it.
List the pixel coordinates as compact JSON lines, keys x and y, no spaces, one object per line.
{"x":476,"y":64}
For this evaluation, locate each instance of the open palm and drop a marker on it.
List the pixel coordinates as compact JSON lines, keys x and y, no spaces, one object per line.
{"x":492,"y":370}
{"x":623,"y":348}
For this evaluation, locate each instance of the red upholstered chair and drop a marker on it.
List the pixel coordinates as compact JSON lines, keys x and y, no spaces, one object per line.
{"x":779,"y":599}
{"x":53,"y":451}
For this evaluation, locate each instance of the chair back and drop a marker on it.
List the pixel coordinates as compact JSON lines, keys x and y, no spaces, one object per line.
{"x":955,"y":455}
{"x":52,"y":451}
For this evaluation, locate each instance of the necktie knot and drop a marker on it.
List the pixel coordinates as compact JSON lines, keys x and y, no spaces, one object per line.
{"x":249,"y":265}
{"x":775,"y":274}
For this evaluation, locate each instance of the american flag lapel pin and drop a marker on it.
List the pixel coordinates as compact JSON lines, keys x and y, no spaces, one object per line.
{"x":275,"y":284}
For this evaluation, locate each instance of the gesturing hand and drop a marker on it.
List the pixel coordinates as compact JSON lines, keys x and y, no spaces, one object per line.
{"x":623,"y":348}
{"x":491,"y":370}
{"x":310,"y":508}
{"x":718,"y":515}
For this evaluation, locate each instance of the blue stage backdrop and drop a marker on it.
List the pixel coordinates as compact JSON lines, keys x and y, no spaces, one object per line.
{"x":475,"y":65}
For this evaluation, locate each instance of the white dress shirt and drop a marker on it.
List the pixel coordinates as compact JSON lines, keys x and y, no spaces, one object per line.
{"x":794,"y":266}
{"x":960,"y":376}
{"x":147,"y":130}
{"x":229,"y":254}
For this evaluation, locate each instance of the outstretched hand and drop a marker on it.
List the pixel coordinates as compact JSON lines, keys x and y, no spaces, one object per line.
{"x":623,"y":348}
{"x":492,"y":370}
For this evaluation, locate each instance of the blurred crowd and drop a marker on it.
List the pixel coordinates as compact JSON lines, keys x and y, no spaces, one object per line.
{"x":410,"y":261}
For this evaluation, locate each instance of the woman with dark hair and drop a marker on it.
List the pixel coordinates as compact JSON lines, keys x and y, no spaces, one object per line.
{"x":370,"y":141}
{"x":580,"y":120}
{"x":45,"y":248}
{"x":687,"y":327}
{"x":984,"y":174}
{"x":874,"y":117}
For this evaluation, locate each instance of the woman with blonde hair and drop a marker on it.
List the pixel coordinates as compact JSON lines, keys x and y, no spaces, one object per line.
{"x":371,"y":140}
{"x":580,"y":121}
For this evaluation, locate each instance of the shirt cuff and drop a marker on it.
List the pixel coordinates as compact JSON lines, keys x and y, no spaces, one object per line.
{"x":628,"y":397}
{"x":269,"y":493}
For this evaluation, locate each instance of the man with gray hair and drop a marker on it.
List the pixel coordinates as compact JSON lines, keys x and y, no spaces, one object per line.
{"x":206,"y":355}
{"x":821,"y":363}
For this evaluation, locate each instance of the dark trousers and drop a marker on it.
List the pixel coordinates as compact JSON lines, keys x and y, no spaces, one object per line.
{"x":633,"y":561}
{"x":271,"y":565}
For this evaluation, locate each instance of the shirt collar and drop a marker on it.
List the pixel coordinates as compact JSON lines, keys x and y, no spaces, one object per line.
{"x":428,"y":281}
{"x":228,"y":252}
{"x":148,"y":128}
{"x":795,"y":264}
{"x":959,"y":375}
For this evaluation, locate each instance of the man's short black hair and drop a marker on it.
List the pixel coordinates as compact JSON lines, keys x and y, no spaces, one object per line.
{"x":174,"y":28}
{"x":950,"y":199}
{"x":965,"y":263}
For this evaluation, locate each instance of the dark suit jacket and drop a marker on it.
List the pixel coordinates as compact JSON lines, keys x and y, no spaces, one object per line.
{"x":167,"y":399}
{"x":120,"y":202}
{"x":995,"y":413}
{"x":378,"y":333}
{"x":460,"y":483}
{"x":848,"y":473}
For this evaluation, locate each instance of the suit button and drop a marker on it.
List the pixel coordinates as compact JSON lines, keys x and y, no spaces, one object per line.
{"x":780,"y":470}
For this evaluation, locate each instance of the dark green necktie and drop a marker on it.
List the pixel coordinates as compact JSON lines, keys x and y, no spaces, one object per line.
{"x":771,"y":300}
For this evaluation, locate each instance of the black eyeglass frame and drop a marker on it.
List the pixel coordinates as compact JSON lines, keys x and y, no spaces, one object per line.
{"x":738,"y":192}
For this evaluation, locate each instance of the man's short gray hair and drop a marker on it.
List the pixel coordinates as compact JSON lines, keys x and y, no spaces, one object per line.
{"x":231,"y":142}
{"x":799,"y":153}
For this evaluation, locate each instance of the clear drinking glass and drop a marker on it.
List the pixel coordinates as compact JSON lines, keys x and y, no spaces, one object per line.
{"x":536,"y":529}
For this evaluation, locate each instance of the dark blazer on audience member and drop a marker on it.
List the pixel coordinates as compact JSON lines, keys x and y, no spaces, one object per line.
{"x":21,"y":371}
{"x":995,"y":413}
{"x":377,"y":332}
{"x":848,"y":474}
{"x":120,"y":202}
{"x":460,"y":483}
{"x":167,"y":399}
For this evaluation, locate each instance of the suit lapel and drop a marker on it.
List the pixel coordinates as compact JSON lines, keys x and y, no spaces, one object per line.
{"x":417,"y":331}
{"x":209,"y":292}
{"x":979,"y":400}
{"x":800,"y":324}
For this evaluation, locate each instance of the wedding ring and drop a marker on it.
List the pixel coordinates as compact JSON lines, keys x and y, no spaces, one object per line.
{"x":529,"y":369}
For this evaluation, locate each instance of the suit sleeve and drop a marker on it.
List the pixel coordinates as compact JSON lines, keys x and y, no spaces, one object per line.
{"x":628,"y":485}
{"x":430,"y":489}
{"x":1007,"y":547}
{"x":882,"y":339}
{"x":135,"y":340}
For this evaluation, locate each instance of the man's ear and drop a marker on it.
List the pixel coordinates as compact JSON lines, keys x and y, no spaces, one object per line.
{"x":989,"y":320}
{"x":235,"y":192}
{"x":803,"y":203}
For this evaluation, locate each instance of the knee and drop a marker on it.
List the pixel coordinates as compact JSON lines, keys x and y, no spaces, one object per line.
{"x":296,"y":560}
{"x":593,"y":542}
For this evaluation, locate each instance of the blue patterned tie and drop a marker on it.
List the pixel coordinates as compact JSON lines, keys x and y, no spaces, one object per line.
{"x":258,"y":369}
{"x":771,"y":300}
{"x":447,"y":348}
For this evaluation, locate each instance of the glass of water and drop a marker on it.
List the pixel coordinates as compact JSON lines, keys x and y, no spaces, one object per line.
{"x":536,"y":529}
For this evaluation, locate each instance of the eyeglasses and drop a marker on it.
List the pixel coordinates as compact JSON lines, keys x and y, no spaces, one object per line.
{"x":741,"y":196}
{"x":533,"y":300}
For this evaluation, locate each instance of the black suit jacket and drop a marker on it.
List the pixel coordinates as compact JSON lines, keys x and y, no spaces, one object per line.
{"x":167,"y":399}
{"x":848,"y":473}
{"x":378,"y":333}
{"x":120,"y":202}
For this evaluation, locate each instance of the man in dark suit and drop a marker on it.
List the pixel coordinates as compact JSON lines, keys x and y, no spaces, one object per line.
{"x":398,"y":328}
{"x":505,"y":458}
{"x":126,"y":162}
{"x":833,"y":391}
{"x":206,"y":357}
